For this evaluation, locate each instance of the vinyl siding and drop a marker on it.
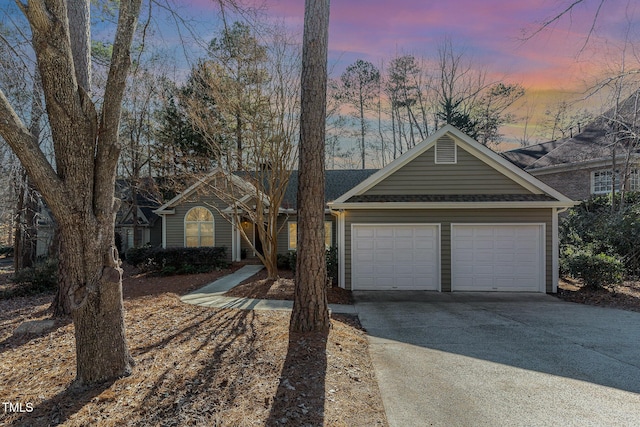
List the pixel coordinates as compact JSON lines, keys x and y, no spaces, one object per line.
{"x":175,"y":224}
{"x":468,"y":176}
{"x":283,"y":236}
{"x":445,"y":218}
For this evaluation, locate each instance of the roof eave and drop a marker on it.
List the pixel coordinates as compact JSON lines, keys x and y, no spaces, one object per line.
{"x":454,"y":205}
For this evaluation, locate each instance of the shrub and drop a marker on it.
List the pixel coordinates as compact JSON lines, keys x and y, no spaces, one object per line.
{"x":283,"y":262}
{"x":594,"y":227}
{"x":293,"y":260}
{"x":42,"y":277}
{"x":288,"y":262}
{"x":332,"y":265}
{"x":178,"y":260}
{"x":138,"y":256}
{"x":595,"y":270}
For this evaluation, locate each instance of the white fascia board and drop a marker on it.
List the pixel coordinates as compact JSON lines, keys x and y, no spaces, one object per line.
{"x":163,"y":212}
{"x":467,"y":143}
{"x":507,"y":168}
{"x":234,"y":178}
{"x":454,"y":205}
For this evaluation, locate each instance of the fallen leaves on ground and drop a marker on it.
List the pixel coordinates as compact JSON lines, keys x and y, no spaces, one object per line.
{"x":194,"y":366}
{"x":625,"y":296}
{"x":282,"y":288}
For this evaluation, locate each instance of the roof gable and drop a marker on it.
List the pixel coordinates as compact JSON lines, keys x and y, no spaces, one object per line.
{"x":206,"y":180}
{"x":337,"y":182}
{"x":468,"y":175}
{"x":476,"y":164}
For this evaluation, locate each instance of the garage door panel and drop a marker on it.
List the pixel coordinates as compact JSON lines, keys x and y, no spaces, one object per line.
{"x":399,"y":256}
{"x":384,"y":243}
{"x":497,"y":257}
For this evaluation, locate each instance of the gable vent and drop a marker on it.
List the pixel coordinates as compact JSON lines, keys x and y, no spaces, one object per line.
{"x":446,"y":150}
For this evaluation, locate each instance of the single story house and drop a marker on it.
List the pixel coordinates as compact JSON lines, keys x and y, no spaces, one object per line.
{"x":586,"y":164}
{"x":448,"y":215}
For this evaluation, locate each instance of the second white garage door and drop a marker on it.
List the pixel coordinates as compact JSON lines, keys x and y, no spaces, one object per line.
{"x":497,"y":257}
{"x":395,"y":257}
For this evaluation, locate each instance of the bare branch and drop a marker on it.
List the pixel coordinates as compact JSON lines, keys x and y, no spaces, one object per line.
{"x":26,"y":147}
{"x":108,"y":148}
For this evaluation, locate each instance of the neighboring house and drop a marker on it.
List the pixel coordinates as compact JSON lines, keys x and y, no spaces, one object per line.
{"x":581,"y":166}
{"x":146,"y":224}
{"x":448,"y":215}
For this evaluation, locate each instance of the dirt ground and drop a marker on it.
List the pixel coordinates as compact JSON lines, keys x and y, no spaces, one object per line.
{"x":258,"y":286}
{"x":194,"y":366}
{"x":625,"y":296}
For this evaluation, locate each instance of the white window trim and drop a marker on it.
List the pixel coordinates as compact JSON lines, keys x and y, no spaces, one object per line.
{"x":296,"y":222}
{"x":184,"y":228}
{"x":593,"y":181}
{"x":633,"y":181}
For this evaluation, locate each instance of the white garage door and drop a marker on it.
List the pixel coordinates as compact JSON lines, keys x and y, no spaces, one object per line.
{"x":497,"y":258}
{"x":387,"y":257}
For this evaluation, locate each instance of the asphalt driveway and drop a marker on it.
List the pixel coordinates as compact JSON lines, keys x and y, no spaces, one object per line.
{"x":497,"y":359}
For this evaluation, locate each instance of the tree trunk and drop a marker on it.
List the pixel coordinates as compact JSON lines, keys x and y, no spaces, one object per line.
{"x":24,"y":246}
{"x":90,"y":271}
{"x":310,"y":310}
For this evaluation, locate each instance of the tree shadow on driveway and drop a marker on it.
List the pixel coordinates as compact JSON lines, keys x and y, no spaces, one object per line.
{"x":534,"y":332}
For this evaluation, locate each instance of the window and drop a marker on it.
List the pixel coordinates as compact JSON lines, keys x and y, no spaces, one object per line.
{"x":446,"y":150}
{"x":198,"y":228}
{"x":602,"y":181}
{"x":293,"y":234}
{"x":634,"y":180}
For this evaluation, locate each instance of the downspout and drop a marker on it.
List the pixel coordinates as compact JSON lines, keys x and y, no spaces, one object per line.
{"x":234,"y":231}
{"x":340,"y":235}
{"x":163,"y":217}
{"x":555,"y":247}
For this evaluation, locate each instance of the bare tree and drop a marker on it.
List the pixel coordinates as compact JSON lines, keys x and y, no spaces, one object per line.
{"x":310,"y":309}
{"x":268,"y":111}
{"x":360,"y":83}
{"x":459,"y":88}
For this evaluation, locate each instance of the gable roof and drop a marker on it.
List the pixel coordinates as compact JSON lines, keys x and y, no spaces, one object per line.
{"x":167,"y":207}
{"x":337,"y":182}
{"x":542,"y":195}
{"x":593,"y":144}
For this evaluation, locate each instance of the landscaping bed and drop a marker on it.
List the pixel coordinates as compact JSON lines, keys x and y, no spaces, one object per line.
{"x":625,"y":296}
{"x":258,"y":286}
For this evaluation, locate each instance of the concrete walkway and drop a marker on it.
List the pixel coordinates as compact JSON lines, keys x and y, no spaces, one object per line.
{"x":212,"y":295}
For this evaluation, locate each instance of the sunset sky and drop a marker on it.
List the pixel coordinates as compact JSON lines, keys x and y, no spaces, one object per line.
{"x":490,"y":31}
{"x":554,"y":65}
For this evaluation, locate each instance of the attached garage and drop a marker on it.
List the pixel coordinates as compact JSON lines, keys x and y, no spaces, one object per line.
{"x":449,"y":215}
{"x":497,"y":257}
{"x":395,"y":256}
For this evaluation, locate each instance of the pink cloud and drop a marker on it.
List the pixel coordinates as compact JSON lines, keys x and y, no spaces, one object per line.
{"x":491,"y":30}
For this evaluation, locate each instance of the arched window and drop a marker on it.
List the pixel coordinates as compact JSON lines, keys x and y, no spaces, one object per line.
{"x":198,"y":228}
